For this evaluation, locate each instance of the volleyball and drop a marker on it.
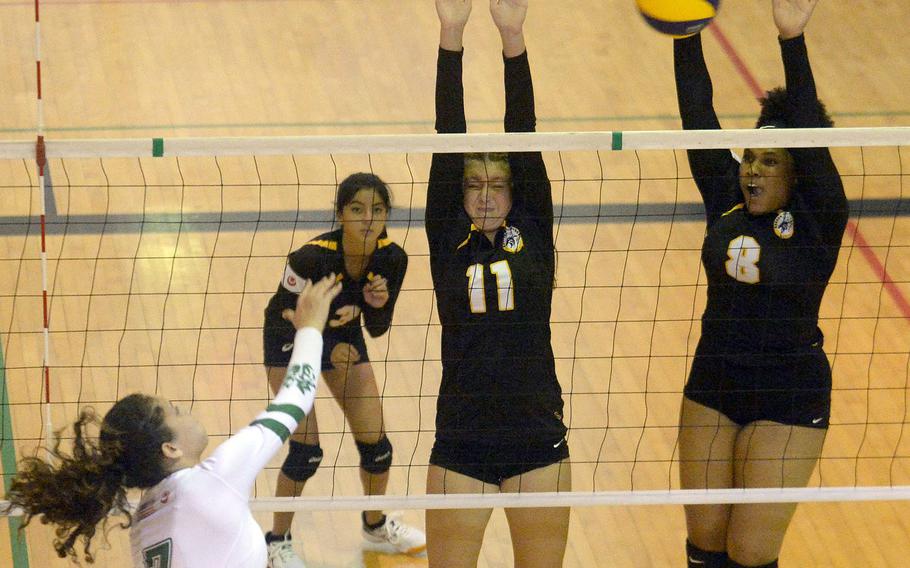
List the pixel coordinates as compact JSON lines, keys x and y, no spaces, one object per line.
{"x":678,"y":18}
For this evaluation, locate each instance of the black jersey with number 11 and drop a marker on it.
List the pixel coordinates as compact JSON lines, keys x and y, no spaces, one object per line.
{"x":499,"y":379}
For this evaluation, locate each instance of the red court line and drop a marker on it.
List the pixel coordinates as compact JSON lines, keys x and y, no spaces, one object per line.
{"x":880,"y":272}
{"x":858,"y":239}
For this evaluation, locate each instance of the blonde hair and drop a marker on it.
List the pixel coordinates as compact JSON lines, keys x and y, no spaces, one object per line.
{"x":490,"y":158}
{"x":501,"y":157}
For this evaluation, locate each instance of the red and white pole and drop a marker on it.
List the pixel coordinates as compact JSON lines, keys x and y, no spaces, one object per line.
{"x":41,"y":159}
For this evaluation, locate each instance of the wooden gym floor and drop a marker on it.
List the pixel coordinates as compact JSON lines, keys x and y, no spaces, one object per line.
{"x":174,"y":307}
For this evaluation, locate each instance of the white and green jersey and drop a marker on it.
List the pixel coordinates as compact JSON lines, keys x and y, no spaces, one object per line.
{"x":200,"y":516}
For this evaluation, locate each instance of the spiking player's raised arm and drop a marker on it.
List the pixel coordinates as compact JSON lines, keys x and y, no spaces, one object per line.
{"x":192,"y":513}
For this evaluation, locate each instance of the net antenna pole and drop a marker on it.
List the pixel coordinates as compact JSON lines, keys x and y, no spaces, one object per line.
{"x":41,"y":160}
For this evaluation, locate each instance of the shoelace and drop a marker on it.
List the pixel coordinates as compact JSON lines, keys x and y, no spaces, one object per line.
{"x":284,"y":550}
{"x":396,"y":530}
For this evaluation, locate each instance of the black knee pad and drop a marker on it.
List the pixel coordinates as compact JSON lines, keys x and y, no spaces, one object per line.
{"x":302,"y":462}
{"x":375,"y":458}
{"x":699,"y":558}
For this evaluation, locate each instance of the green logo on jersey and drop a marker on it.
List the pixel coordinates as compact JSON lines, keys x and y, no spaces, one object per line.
{"x":158,"y":555}
{"x":301,"y":376}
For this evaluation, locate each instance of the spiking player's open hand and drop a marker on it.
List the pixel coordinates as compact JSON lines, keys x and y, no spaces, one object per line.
{"x":313,"y":303}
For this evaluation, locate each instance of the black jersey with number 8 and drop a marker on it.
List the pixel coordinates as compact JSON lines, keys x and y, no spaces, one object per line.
{"x":766,"y":273}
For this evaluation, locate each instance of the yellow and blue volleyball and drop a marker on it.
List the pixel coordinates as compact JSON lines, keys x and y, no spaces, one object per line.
{"x":678,"y":18}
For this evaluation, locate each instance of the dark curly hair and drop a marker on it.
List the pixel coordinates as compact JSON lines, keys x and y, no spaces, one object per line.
{"x":77,"y":492}
{"x":777,"y":110}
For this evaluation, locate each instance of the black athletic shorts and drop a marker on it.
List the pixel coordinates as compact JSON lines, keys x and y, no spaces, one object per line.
{"x":793,"y":389}
{"x":494,"y":463}
{"x":278,"y":343}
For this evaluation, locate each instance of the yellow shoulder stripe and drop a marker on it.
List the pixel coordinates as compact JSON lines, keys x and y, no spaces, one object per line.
{"x":735,"y":208}
{"x":331,"y":245}
{"x":468,"y":238}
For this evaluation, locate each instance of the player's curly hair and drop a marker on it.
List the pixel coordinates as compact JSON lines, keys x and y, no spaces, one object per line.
{"x":77,"y":492}
{"x":777,"y":110}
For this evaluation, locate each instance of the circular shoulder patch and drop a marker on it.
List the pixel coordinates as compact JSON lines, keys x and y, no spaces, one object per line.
{"x":783,"y":225}
{"x":511,"y":240}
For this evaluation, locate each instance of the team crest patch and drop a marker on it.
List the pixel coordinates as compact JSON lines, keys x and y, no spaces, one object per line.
{"x":783,"y":225}
{"x":511,"y":240}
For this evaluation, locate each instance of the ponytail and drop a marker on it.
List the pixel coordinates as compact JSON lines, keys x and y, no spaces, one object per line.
{"x":78,"y":492}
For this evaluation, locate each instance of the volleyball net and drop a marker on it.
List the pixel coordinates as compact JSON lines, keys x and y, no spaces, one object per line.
{"x":145,"y":265}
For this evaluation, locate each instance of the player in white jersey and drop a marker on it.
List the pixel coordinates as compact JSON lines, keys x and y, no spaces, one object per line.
{"x":194,"y":513}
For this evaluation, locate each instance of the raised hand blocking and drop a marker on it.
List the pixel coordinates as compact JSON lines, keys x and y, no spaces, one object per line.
{"x":791,"y":16}
{"x":509,"y":15}
{"x":453,"y":13}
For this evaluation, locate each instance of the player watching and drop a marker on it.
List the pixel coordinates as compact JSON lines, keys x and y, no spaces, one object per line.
{"x":371,"y":269}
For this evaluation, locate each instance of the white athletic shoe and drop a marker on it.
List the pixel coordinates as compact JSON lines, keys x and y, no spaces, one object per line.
{"x":401,"y":537}
{"x":282,"y":555}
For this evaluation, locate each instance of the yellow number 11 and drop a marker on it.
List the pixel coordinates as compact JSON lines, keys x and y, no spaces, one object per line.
{"x":505,"y":294}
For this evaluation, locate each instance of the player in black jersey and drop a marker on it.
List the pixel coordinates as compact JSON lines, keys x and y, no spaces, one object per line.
{"x":758,"y":398}
{"x":489,"y":222}
{"x":371,"y":269}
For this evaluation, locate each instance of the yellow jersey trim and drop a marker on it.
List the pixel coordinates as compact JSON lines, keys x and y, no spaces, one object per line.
{"x":476,"y":228}
{"x":735,"y":208}
{"x":468,"y":238}
{"x":331,"y":245}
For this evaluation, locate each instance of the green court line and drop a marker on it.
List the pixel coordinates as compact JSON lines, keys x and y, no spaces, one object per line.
{"x":409,"y":123}
{"x":8,"y":459}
